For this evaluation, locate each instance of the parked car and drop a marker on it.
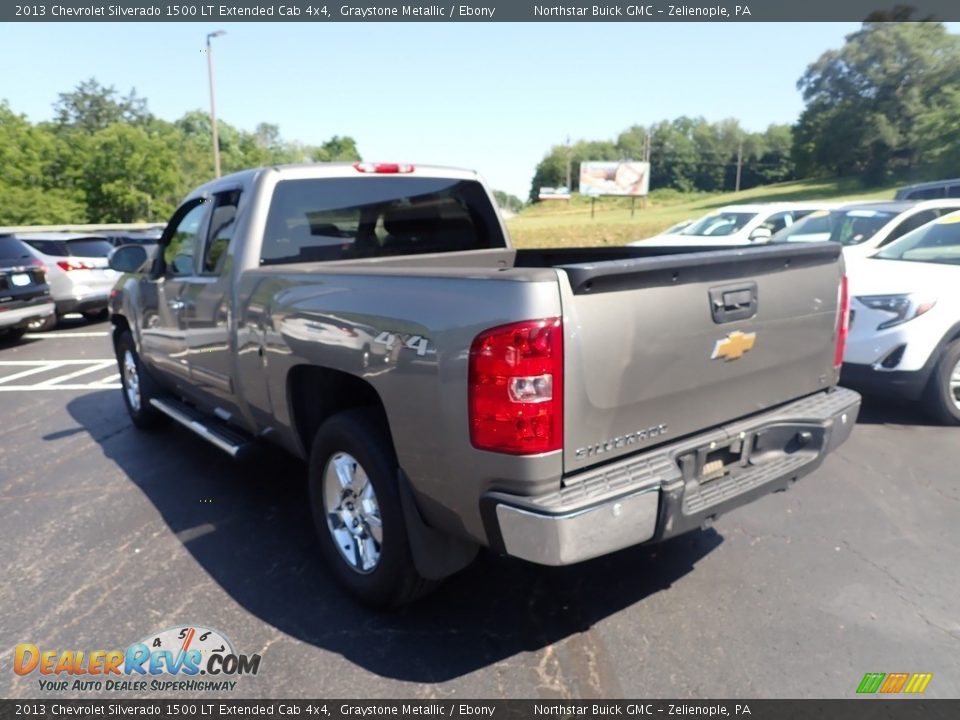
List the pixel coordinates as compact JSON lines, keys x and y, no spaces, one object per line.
{"x":905,"y":320}
{"x":552,"y":404}
{"x":735,"y":225}
{"x":78,"y":273}
{"x":930,"y":190}
{"x":865,"y":227}
{"x":24,"y":293}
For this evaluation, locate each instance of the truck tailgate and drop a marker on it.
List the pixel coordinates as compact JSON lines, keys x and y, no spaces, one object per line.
{"x":657,"y":348}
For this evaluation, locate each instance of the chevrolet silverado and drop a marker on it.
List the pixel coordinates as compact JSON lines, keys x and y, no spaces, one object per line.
{"x":449,"y":391}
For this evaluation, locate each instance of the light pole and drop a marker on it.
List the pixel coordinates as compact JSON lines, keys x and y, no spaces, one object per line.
{"x":213,"y":105}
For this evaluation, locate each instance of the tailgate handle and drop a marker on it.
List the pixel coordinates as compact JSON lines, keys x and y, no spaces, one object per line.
{"x":733,"y":302}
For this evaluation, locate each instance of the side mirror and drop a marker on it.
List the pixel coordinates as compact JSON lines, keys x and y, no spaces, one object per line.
{"x":761,"y":234}
{"x":128,"y":258}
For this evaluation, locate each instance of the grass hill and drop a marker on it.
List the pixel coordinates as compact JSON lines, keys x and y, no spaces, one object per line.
{"x":559,"y":224}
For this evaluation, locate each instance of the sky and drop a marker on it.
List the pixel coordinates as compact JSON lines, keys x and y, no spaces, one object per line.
{"x":493,"y":97}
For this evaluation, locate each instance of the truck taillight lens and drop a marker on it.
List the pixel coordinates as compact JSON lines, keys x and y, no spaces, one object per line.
{"x":843,"y":322}
{"x":516,"y":388}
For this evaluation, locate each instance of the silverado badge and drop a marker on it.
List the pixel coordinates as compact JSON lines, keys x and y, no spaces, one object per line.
{"x":734,"y":345}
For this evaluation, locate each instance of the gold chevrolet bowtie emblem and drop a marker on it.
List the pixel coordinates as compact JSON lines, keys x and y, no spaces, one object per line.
{"x":734,"y":345}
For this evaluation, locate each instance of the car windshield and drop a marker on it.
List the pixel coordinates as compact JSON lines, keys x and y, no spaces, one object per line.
{"x":718,"y":224}
{"x":936,"y":242}
{"x":847,"y":227}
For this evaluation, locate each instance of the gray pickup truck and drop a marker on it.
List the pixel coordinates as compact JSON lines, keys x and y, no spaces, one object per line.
{"x":450,"y":392}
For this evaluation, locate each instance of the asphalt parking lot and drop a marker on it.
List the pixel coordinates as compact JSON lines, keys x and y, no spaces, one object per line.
{"x":112,"y":534}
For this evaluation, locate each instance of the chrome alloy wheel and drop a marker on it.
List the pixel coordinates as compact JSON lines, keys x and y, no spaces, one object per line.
{"x":955,"y":385}
{"x":131,"y":380}
{"x":352,"y":511}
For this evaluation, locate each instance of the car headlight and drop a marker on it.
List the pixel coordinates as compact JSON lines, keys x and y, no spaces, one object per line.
{"x":902,"y":307}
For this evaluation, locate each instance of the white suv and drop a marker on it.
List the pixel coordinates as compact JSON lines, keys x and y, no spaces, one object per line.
{"x":80,"y":279}
{"x":735,"y":225}
{"x":865,"y":227}
{"x":904,"y":338}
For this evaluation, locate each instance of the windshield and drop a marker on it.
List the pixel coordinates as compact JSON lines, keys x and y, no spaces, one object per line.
{"x":847,"y":227}
{"x":936,"y":242}
{"x":717,"y":224}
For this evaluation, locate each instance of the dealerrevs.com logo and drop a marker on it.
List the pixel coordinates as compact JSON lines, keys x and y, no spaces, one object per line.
{"x":177,"y":659}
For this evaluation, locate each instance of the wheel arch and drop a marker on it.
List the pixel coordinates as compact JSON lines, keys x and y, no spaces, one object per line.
{"x":316,"y":393}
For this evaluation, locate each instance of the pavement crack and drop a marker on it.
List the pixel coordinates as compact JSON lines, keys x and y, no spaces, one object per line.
{"x":903,"y":592}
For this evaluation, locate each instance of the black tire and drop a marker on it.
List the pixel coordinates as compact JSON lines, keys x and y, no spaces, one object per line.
{"x":96,"y":315}
{"x":48,"y":323}
{"x":13,"y":334}
{"x":394,"y":579}
{"x":143,"y":415}
{"x":940,"y":400}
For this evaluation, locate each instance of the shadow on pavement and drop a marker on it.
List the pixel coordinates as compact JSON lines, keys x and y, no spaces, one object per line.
{"x":257,"y":541}
{"x":883,"y":411}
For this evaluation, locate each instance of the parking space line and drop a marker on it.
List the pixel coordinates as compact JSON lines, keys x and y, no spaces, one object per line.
{"x":29,"y":388}
{"x":103,"y":365}
{"x":32,"y":371}
{"x":13,"y":363}
{"x":49,"y":335}
{"x":29,"y":368}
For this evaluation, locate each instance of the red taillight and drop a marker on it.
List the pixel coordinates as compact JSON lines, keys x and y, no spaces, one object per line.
{"x":41,"y":268}
{"x":843,"y":322}
{"x":68,"y":265}
{"x":516,"y":388}
{"x":383,"y":168}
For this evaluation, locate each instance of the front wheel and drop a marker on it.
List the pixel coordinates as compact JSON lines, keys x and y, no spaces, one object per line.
{"x":139,"y":388}
{"x":943,"y":393}
{"x":356,"y":509}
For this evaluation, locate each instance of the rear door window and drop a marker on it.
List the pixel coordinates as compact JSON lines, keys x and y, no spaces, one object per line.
{"x":345,"y":218}
{"x":89,"y":247}
{"x":223,"y":221}
{"x":911,"y":223}
{"x":13,"y":249}
{"x":934,"y":193}
{"x":54,"y":248}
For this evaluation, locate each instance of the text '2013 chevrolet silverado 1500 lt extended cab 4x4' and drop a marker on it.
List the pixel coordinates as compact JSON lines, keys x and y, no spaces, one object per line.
{"x":450,"y":392}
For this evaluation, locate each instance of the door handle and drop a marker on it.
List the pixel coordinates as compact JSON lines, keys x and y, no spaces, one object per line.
{"x":175,"y":305}
{"x":733,"y":302}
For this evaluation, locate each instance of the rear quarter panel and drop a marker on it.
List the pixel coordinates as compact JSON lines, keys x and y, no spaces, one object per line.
{"x":322,"y":317}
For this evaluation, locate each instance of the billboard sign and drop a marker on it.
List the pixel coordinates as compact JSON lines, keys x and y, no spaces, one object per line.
{"x":614,"y":178}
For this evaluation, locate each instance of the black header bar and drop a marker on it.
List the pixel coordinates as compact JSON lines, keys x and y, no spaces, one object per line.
{"x":872,"y":708}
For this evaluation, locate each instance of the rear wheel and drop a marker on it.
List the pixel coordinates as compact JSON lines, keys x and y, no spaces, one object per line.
{"x":13,"y":334}
{"x":96,"y":315}
{"x":47,"y":323}
{"x":356,"y":509}
{"x":139,"y":388}
{"x":943,"y":393}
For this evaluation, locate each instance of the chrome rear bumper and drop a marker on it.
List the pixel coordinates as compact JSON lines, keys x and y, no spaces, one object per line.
{"x":667,"y":491}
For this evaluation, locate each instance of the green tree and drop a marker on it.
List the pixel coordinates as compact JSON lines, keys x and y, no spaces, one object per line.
{"x":91,"y":107}
{"x":508,"y":201}
{"x":336,"y":148}
{"x":866,"y":102}
{"x":131,"y":174}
